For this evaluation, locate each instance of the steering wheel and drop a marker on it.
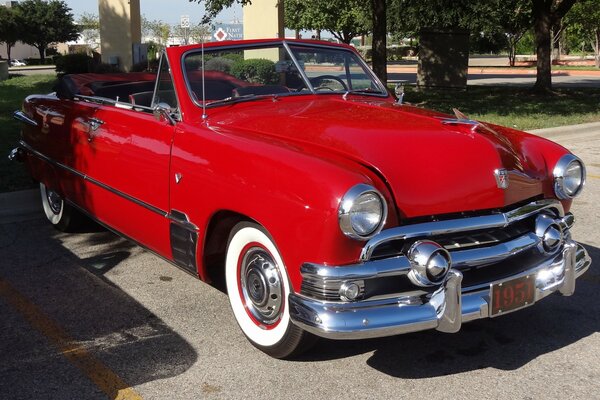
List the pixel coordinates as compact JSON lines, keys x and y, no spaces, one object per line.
{"x":317,"y":82}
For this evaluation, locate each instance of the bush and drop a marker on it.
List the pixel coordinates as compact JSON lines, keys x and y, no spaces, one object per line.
{"x":78,"y":63}
{"x":219,"y":64}
{"x":394,"y":53}
{"x":37,"y":61}
{"x":256,"y":70}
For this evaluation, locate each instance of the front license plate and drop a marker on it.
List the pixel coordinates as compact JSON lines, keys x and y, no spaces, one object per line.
{"x":512,"y":295}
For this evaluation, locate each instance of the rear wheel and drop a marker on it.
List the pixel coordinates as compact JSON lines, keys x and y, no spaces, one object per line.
{"x":258,"y":286}
{"x":61,"y":215}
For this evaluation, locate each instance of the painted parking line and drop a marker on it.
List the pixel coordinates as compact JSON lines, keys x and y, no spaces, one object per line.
{"x":105,"y":379}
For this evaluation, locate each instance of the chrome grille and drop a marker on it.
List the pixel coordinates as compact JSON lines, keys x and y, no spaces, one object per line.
{"x":482,"y":247}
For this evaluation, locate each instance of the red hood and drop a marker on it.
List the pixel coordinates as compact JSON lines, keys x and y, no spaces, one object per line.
{"x":431,"y":168}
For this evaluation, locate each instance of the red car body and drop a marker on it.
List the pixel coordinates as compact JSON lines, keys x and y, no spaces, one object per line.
{"x":282,"y":162}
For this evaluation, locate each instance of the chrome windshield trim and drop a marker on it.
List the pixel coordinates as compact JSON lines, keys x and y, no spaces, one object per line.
{"x":428,"y":229}
{"x":22,"y":117}
{"x":299,"y":67}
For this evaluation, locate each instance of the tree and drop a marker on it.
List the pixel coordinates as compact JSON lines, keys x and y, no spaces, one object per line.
{"x":90,"y":29}
{"x":213,"y":7}
{"x":45,"y":23}
{"x":514,"y":19}
{"x":379,"y":45}
{"x":159,"y":31}
{"x":546,"y":15}
{"x":584,"y":20}
{"x":344,"y":19}
{"x":193,"y":34}
{"x":9,"y":28}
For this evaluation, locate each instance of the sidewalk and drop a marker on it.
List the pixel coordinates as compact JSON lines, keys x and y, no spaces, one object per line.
{"x":412,"y":69}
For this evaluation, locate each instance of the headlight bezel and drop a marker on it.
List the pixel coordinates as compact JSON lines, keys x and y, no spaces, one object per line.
{"x":559,"y":173}
{"x":347,"y":204}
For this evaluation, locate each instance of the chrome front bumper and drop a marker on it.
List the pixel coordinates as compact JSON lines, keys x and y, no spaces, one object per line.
{"x":445,"y":310}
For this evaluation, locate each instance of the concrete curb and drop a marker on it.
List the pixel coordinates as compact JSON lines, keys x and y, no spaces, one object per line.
{"x":567,"y":130}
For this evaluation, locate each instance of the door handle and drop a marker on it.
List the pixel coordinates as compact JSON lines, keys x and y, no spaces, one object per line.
{"x":94,"y":123}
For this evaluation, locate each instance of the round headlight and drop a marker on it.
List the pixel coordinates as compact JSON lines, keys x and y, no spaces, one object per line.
{"x":569,"y":177}
{"x":362,"y":212}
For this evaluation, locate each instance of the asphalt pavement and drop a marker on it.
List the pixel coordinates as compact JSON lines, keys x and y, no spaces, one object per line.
{"x":92,"y":316}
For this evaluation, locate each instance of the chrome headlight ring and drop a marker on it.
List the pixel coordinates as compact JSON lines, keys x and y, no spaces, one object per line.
{"x":362,"y":212}
{"x":569,"y":177}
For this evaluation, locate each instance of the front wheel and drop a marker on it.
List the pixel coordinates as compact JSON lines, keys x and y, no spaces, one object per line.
{"x":60,"y":214}
{"x":258,"y":286}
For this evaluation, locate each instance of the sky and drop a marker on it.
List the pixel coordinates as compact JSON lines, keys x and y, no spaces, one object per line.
{"x":168,"y":11}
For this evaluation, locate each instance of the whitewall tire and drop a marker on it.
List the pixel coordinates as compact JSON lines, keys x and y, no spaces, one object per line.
{"x":258,"y":287}
{"x":60,"y":214}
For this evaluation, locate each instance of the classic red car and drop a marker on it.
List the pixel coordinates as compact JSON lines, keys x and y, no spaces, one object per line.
{"x":329,"y":207}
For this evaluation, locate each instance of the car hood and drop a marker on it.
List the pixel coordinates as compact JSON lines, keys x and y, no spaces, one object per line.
{"x":431,"y":167}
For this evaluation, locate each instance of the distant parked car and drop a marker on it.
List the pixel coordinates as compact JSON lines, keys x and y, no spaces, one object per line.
{"x":17,"y":63}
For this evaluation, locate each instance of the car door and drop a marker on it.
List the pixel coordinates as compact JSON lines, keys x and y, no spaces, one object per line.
{"x":127,"y":168}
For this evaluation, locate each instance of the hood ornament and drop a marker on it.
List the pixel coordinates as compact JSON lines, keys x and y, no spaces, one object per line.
{"x":501,"y":178}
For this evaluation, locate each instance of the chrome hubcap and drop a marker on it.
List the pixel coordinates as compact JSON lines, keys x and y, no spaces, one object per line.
{"x":261,"y":286}
{"x":54,"y":201}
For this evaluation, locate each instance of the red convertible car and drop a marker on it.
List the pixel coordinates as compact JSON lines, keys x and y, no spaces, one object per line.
{"x":328,"y":207}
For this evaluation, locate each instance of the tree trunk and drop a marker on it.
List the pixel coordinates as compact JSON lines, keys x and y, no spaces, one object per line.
{"x":597,"y":48}
{"x":542,"y":27}
{"x":512,"y":52}
{"x":297,"y":34}
{"x":42,"y":50}
{"x":8,"y":49}
{"x":379,"y":47}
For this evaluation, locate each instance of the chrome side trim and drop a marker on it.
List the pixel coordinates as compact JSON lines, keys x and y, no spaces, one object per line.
{"x":21,"y":116}
{"x":446,"y":310}
{"x":429,"y":229}
{"x":85,"y":177}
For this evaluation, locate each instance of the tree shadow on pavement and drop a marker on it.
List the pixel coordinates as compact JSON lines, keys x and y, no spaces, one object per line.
{"x":505,"y":343}
{"x":72,"y":291}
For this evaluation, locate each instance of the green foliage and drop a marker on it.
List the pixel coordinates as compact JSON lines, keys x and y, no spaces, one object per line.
{"x":77,"y":63}
{"x":394,"y":53}
{"x":158,"y":30}
{"x":10,"y":27}
{"x":45,"y":23}
{"x":213,"y":7}
{"x":219,"y":64}
{"x":527,"y":44}
{"x":344,"y":19}
{"x":90,"y":29}
{"x":256,"y":70}
{"x":12,"y":92}
{"x":583,"y":26}
{"x":498,"y":105}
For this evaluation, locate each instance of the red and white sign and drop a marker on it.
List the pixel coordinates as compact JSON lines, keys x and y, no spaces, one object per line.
{"x":220,"y":35}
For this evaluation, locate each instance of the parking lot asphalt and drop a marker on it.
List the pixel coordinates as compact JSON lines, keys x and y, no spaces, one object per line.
{"x":92,"y":316}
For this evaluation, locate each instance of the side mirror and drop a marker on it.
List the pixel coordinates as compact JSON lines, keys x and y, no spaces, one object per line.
{"x":399,"y":90}
{"x":163,"y":110}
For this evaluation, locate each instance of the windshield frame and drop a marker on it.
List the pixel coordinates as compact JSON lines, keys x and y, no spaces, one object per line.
{"x":284,"y":44}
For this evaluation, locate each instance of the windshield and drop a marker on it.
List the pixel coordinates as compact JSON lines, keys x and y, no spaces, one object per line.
{"x":238,"y":74}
